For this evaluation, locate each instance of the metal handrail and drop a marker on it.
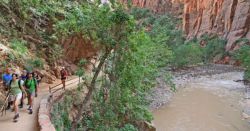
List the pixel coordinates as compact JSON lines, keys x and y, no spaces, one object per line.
{"x":51,"y":88}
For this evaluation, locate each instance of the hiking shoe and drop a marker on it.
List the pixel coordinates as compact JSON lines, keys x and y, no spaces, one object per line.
{"x":15,"y":120}
{"x":20,"y":105}
{"x":8,"y":107}
{"x":29,"y":108}
{"x":30,"y":112}
{"x":16,"y":116}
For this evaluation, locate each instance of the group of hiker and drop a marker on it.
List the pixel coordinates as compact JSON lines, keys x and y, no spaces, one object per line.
{"x":18,"y":87}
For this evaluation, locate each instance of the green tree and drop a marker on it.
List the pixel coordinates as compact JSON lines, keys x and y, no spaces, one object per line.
{"x":80,"y":71}
{"x":187,"y":54}
{"x":243,"y":55}
{"x":214,"y":46}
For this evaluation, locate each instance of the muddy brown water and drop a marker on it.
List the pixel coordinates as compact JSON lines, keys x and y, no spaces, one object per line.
{"x":203,"y":106}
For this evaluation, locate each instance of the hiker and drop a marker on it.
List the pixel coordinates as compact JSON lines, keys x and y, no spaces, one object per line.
{"x":30,"y":85}
{"x":63,"y":76}
{"x":7,"y":77}
{"x":23,"y":77}
{"x":16,"y":89}
{"x":38,"y":79}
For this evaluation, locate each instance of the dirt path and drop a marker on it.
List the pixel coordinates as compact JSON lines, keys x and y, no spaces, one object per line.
{"x":26,"y":121}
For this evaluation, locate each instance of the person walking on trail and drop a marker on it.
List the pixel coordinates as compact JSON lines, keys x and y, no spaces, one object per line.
{"x":30,"y":85}
{"x":38,"y":79}
{"x":63,"y":73}
{"x":23,"y":77}
{"x":16,"y":89}
{"x":7,"y":77}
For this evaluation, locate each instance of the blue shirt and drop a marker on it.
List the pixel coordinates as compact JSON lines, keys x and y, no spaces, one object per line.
{"x":7,"y":78}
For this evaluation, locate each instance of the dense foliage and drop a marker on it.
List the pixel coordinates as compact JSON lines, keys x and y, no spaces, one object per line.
{"x":214,"y":47}
{"x":60,"y":113}
{"x":243,"y":55}
{"x":126,"y":71}
{"x":164,"y":32}
{"x":27,"y":24}
{"x":187,"y":54}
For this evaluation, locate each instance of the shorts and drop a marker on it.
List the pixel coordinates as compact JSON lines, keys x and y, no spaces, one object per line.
{"x":18,"y":96}
{"x":11,"y":97}
{"x":15,"y":97}
{"x":31,"y":94}
{"x":63,"y":79}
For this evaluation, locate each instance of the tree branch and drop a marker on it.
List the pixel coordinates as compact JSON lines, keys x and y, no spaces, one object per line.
{"x":91,"y":88}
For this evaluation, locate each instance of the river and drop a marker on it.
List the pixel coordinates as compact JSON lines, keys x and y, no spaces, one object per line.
{"x":205,"y":104}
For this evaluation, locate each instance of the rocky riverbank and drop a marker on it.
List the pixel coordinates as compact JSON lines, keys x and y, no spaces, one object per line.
{"x":161,"y":95}
{"x":205,"y":105}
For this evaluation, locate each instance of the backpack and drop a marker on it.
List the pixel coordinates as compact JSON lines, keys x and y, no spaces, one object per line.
{"x":19,"y":84}
{"x":63,"y":73}
{"x":25,"y":83}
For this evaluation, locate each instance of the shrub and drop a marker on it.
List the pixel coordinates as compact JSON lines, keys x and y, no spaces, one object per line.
{"x":140,"y":13}
{"x":187,"y":54}
{"x":37,"y":63}
{"x":128,"y":127}
{"x":164,"y":31}
{"x":243,"y":55}
{"x":247,"y":74}
{"x":214,"y":46}
{"x":34,"y":63}
{"x":20,"y":46}
{"x":60,"y":114}
{"x":11,"y":57}
{"x":55,"y":52}
{"x":80,"y":71}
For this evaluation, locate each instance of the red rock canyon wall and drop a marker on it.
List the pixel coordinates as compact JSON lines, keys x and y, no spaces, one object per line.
{"x":229,"y":19}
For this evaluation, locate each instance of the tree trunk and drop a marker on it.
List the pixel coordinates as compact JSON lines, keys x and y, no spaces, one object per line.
{"x":90,"y":90}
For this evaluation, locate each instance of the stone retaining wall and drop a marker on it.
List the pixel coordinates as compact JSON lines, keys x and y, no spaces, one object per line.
{"x":44,"y":114}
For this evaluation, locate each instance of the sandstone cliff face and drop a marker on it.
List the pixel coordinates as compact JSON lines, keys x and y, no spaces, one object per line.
{"x":159,"y":6}
{"x":76,"y":47}
{"x":229,"y":19}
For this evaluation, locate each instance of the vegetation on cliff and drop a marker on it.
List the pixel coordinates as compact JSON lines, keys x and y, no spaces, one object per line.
{"x":26,"y":27}
{"x":126,"y":70}
{"x":243,"y":56}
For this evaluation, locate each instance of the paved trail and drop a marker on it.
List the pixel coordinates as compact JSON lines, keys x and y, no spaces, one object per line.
{"x":27,"y":122}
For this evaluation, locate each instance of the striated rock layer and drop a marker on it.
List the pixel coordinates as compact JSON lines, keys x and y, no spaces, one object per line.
{"x":229,"y":19}
{"x":158,"y":6}
{"x":76,"y":47}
